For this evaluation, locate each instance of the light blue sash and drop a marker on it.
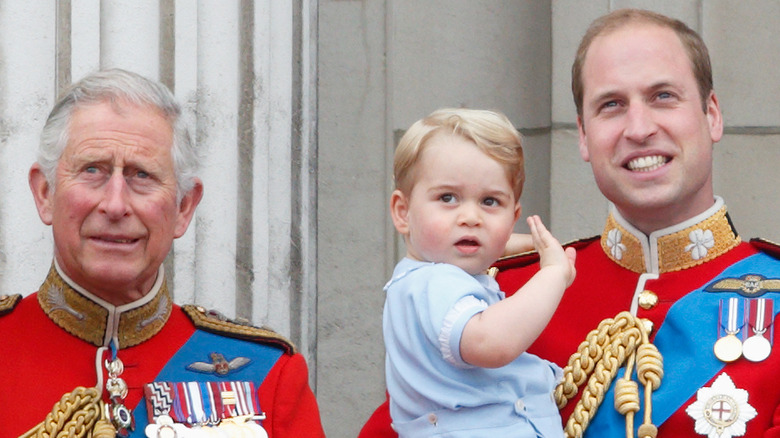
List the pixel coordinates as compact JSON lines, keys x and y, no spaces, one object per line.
{"x":685,"y":340}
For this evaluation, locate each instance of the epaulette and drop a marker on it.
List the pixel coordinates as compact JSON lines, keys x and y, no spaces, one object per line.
{"x":8,"y":303}
{"x":766,"y":246}
{"x":531,"y":257}
{"x":214,"y":322}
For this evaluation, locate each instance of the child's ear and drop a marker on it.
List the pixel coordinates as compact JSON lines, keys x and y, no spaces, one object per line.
{"x":399,"y":211}
{"x":518,"y":210}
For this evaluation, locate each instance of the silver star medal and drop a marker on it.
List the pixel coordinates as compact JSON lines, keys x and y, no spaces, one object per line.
{"x":721,"y":410}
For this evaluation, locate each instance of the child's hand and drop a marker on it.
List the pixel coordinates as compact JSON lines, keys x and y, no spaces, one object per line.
{"x":518,"y":243}
{"x":551,"y":253}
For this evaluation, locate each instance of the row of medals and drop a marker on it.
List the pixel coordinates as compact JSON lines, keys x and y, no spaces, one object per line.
{"x":755,"y":348}
{"x":240,"y":427}
{"x":164,"y":427}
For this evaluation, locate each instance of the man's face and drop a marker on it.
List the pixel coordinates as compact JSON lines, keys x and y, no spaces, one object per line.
{"x":113,"y":210}
{"x":643,"y":128}
{"x":461,"y":209}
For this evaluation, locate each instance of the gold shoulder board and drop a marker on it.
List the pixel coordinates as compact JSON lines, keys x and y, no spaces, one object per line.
{"x":8,"y":302}
{"x":214,"y":322}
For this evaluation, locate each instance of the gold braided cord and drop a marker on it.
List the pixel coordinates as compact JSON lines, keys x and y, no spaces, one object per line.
{"x":78,"y":414}
{"x":616,"y":342}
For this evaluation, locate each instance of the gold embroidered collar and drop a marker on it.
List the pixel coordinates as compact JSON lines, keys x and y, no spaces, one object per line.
{"x":681,"y":246}
{"x":93,"y":320}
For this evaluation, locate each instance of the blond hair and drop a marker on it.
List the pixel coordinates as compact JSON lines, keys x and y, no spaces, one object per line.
{"x":491,"y":131}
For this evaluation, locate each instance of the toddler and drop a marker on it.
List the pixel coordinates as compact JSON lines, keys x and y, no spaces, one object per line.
{"x":456,"y":362}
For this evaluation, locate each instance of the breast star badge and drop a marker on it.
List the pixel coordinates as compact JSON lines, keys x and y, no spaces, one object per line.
{"x":219,"y":365}
{"x":721,"y":410}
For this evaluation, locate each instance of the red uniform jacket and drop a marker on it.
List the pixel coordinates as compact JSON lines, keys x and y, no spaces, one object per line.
{"x":681,"y":269}
{"x":49,"y":344}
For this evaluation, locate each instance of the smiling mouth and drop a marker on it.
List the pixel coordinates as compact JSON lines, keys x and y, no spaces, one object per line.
{"x":647,"y":164}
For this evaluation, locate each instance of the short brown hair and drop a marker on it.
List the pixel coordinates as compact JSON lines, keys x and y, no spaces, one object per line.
{"x":691,"y":41}
{"x":491,"y":131}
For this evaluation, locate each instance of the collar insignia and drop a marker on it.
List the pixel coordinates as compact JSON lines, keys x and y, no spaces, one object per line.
{"x":219,"y":365}
{"x":95,"y":321}
{"x":721,"y":410}
{"x":748,"y":285}
{"x":675,"y":248}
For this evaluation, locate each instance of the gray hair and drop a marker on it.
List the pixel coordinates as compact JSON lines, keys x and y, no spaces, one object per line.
{"x":110,"y":86}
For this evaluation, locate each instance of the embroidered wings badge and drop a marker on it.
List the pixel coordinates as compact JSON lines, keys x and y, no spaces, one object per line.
{"x":219,"y":365}
{"x":749,"y":285}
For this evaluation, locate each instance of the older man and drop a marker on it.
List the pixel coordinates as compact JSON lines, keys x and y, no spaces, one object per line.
{"x":101,"y":348}
{"x":648,"y":118}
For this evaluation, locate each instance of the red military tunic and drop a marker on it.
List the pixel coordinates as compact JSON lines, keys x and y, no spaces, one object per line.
{"x":669,"y":270}
{"x":50,"y":345}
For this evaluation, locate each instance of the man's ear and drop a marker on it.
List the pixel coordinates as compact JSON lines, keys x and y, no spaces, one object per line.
{"x":714,"y":118}
{"x":583,"y":142}
{"x":187,"y":208}
{"x":399,"y":211}
{"x":42,"y":193}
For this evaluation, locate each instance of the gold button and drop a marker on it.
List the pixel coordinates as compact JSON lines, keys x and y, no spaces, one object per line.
{"x":648,"y":299}
{"x":648,"y":325}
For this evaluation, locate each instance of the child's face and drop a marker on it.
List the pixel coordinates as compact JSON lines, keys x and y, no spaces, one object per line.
{"x":461,"y":209}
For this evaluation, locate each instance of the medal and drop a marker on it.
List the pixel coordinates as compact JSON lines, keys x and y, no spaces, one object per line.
{"x":119,"y":415}
{"x":757,"y":347}
{"x":728,"y":348}
{"x":721,"y":410}
{"x":201,"y":409}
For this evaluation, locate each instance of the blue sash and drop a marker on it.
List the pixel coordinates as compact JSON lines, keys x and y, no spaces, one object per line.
{"x":685,"y":340}
{"x":197,"y":348}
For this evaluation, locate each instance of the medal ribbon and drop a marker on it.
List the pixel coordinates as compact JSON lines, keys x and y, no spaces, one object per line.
{"x":760,"y":312}
{"x":732,"y":317}
{"x":195,"y":401}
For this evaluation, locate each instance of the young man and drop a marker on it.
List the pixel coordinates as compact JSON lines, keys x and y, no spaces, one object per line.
{"x":648,"y":118}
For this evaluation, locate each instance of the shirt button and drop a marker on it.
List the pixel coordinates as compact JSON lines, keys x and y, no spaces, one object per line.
{"x":519,"y":406}
{"x":648,"y":299}
{"x":432,"y":419}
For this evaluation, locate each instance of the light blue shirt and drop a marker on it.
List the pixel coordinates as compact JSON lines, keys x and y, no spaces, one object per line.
{"x":432,"y":390}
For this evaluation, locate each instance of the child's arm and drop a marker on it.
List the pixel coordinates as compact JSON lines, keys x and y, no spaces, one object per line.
{"x":518,"y":243}
{"x":504,"y":330}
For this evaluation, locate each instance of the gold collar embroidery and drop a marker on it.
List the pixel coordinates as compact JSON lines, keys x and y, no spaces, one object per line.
{"x":682,"y":246}
{"x":93,"y":320}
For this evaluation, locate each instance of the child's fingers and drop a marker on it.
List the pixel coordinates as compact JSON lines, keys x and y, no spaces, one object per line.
{"x":541,"y":236}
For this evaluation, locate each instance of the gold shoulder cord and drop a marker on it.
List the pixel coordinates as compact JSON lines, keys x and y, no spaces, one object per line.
{"x":79,"y":413}
{"x":618,"y":341}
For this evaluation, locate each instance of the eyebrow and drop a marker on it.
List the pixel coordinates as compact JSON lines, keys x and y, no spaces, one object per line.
{"x":612,"y":93}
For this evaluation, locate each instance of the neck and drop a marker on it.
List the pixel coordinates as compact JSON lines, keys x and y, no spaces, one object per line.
{"x":113,"y":294}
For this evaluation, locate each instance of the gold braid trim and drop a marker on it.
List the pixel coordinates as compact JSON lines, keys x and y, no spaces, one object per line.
{"x":78,"y":414}
{"x":8,"y":302}
{"x":212,"y":321}
{"x":618,"y":341}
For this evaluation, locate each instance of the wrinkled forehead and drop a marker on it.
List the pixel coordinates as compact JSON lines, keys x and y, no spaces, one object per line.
{"x":120,"y":130}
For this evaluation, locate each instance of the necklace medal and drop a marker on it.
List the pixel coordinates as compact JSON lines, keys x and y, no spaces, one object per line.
{"x":728,"y":347}
{"x":758,"y":346}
